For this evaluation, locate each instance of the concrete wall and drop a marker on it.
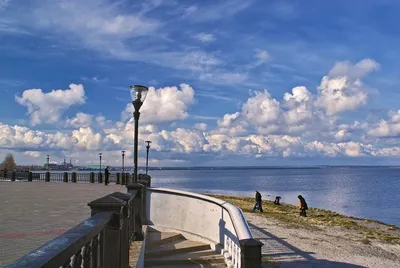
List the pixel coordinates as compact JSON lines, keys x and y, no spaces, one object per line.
{"x":196,"y":214}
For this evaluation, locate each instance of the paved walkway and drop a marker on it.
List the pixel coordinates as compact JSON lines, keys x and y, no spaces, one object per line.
{"x":32,"y":213}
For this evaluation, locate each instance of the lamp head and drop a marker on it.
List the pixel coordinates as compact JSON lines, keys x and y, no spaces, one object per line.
{"x":139,"y":92}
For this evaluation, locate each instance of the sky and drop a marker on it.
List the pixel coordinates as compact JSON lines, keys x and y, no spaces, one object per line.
{"x":257,"y":82}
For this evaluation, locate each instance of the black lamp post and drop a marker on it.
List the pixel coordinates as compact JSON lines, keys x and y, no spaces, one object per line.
{"x":100,"y":154}
{"x":123,"y":158}
{"x":147,"y":155}
{"x":138,"y":94}
{"x":48,"y":162}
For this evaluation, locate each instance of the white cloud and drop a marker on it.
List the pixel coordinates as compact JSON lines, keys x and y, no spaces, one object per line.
{"x":32,"y":154}
{"x":48,"y":107}
{"x":205,"y":37}
{"x":164,"y":105}
{"x":86,"y":139}
{"x":342,"y":89}
{"x":200,"y":126}
{"x":98,"y":24}
{"x":261,"y":110}
{"x":299,"y":105}
{"x":18,"y":137}
{"x":80,"y":120}
{"x":387,"y":128}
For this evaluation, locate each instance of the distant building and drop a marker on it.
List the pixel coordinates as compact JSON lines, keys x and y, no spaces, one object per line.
{"x":96,"y":167}
{"x":63,"y":166}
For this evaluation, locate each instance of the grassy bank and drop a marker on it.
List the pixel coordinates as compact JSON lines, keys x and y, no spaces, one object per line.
{"x":319,"y":218}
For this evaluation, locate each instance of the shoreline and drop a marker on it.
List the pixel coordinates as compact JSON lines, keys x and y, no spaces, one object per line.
{"x":362,"y":229}
{"x":322,"y":239}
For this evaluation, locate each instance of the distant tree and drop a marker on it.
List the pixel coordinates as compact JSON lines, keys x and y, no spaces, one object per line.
{"x":9,"y":163}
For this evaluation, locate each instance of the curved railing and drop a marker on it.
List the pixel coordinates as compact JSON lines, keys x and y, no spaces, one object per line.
{"x":209,"y":218}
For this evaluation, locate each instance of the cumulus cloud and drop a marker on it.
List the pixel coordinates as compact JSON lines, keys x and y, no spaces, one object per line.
{"x":22,"y":138}
{"x":342,"y":89}
{"x":164,"y":104}
{"x":387,"y":128}
{"x":261,"y":110}
{"x":86,"y":139}
{"x":299,"y":105}
{"x":200,"y":126}
{"x":80,"y":120}
{"x":48,"y":107}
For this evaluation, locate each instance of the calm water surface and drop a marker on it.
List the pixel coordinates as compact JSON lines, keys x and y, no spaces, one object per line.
{"x":361,"y":192}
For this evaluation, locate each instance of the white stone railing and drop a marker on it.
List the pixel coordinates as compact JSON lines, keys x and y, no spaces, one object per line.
{"x":213,"y":220}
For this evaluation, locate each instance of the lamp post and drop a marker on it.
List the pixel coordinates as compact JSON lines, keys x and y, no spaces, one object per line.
{"x":123,"y":162}
{"x":100,"y":154}
{"x":147,"y":155}
{"x":138,"y":94}
{"x":48,"y":162}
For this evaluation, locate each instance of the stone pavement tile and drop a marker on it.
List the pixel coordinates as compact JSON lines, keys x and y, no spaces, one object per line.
{"x":32,"y":213}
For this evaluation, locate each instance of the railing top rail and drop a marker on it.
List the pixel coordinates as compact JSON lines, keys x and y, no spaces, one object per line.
{"x":57,"y":251}
{"x":240,"y":225}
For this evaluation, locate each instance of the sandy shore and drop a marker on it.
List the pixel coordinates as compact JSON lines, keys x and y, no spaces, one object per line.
{"x":320,"y":246}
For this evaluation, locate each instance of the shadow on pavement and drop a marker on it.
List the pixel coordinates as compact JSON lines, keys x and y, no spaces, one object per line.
{"x":278,"y":250}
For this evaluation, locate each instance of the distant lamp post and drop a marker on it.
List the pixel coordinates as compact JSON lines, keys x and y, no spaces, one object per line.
{"x":100,"y":155}
{"x":48,"y":162}
{"x":147,"y":155}
{"x":138,"y":94}
{"x":123,"y":162}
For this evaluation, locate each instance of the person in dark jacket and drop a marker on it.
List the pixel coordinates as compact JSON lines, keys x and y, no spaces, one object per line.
{"x":303,"y":206}
{"x":107,"y":176}
{"x":258,"y":204}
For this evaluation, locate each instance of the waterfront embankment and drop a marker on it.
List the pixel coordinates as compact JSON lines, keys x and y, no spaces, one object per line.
{"x":322,"y":239}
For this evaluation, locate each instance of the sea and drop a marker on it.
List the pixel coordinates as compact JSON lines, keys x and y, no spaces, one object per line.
{"x":364,"y":192}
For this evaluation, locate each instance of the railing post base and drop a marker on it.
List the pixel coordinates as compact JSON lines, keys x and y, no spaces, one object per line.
{"x":73,"y":178}
{"x":136,"y":189}
{"x":114,"y":231}
{"x":47,"y":178}
{"x":118,"y":180}
{"x":250,"y":253}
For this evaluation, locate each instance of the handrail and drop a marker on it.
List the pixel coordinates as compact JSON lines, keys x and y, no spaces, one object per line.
{"x":58,"y":251}
{"x":241,"y":227}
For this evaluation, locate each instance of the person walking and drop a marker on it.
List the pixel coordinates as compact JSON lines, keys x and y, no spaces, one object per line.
{"x":258,"y":204}
{"x":303,"y":206}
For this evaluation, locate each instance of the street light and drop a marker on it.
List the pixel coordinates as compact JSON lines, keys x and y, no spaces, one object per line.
{"x":147,"y":155}
{"x":123,"y":158}
{"x":48,"y":162}
{"x":138,"y":94}
{"x":100,"y":154}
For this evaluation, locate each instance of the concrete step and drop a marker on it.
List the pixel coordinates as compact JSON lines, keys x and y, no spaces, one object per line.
{"x":176,"y":248}
{"x":156,"y":239}
{"x":199,"y":257}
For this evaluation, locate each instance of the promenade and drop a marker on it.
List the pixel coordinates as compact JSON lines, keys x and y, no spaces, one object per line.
{"x":32,"y":213}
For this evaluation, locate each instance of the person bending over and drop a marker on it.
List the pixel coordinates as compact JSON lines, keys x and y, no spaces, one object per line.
{"x":258,"y":204}
{"x":303,"y":206}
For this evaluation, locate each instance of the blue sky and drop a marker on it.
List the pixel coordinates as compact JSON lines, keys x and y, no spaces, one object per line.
{"x":262,"y":82}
